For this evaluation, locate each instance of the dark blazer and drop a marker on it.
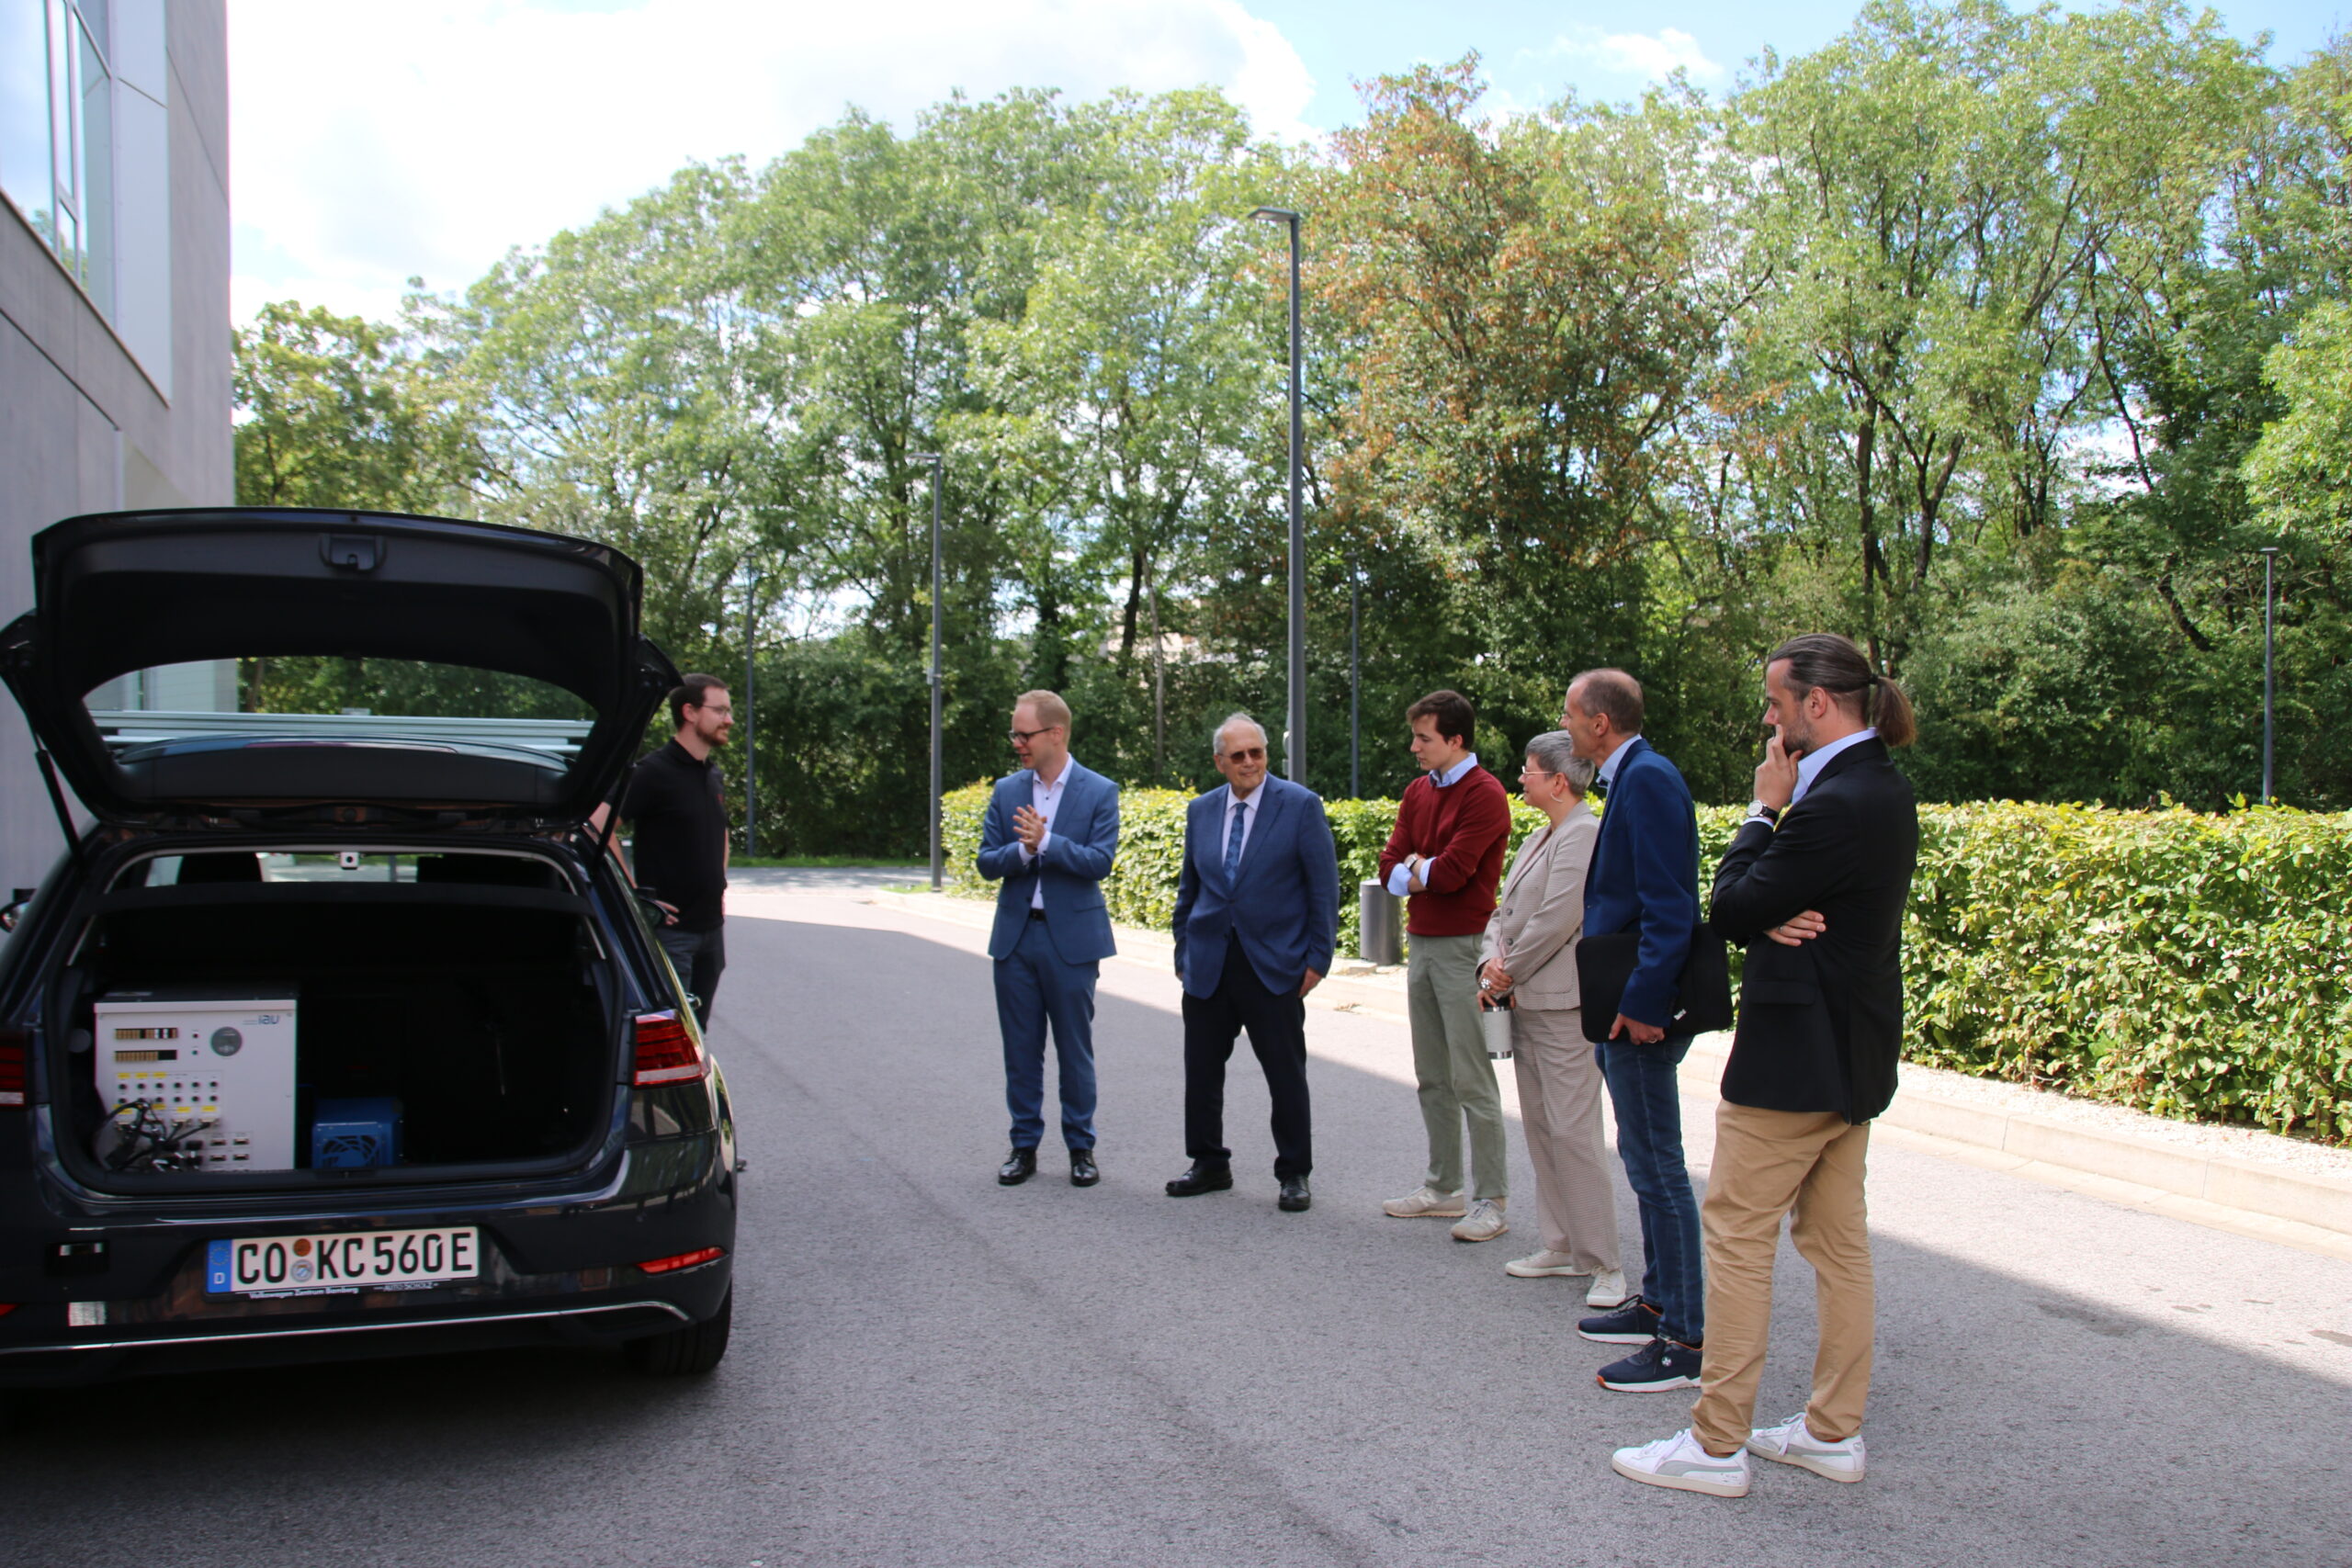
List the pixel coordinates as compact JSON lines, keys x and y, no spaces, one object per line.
{"x":1821,"y":1025}
{"x":1283,"y":904}
{"x":1079,"y":851}
{"x":1644,"y":877}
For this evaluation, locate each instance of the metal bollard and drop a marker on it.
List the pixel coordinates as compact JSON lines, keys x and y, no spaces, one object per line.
{"x":1380,"y":918}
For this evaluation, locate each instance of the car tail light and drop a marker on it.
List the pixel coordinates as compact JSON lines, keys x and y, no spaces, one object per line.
{"x":667,"y":1051}
{"x":694,"y":1260}
{"x":15,"y":1054}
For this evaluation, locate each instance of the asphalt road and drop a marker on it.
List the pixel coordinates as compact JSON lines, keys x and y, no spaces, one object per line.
{"x":930,"y":1370}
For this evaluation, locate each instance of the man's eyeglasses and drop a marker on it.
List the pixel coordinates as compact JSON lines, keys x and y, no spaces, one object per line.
{"x":1247,"y":754}
{"x":722,"y":709}
{"x":1018,"y":737}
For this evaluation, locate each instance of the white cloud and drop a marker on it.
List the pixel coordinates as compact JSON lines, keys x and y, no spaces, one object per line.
{"x":374,"y":139}
{"x":1652,"y":55}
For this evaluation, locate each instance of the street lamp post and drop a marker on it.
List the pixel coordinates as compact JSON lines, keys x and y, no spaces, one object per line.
{"x":2269,"y":681}
{"x":751,"y":717}
{"x":1295,"y":737}
{"x":1355,"y":681}
{"x":937,"y":756}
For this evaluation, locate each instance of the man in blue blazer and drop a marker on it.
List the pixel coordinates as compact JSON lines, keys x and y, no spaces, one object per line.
{"x":1050,"y":835}
{"x":1257,"y":913}
{"x":1645,"y":879}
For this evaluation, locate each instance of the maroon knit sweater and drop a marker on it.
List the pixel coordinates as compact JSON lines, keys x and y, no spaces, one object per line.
{"x":1463,"y":827}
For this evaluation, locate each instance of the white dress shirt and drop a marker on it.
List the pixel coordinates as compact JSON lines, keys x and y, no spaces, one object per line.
{"x":1400,"y":878}
{"x":1045,"y":799}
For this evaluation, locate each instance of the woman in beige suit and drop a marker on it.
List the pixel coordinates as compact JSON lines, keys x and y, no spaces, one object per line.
{"x":1529,"y":957}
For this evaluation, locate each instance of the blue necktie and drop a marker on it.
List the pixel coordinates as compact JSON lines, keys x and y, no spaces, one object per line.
{"x":1233,"y":844}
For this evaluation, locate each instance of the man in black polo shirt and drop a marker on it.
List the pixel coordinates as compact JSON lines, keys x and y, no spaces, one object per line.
{"x":680,"y":814}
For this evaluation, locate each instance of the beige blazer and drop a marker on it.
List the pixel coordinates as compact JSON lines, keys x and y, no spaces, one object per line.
{"x":1540,"y":912}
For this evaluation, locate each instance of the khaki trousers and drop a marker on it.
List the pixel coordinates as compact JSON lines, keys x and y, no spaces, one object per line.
{"x":1768,"y":1164}
{"x":1451,"y":1064}
{"x":1560,"y":1092}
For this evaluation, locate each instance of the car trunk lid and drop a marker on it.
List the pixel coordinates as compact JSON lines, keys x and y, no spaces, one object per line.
{"x":117,"y":593}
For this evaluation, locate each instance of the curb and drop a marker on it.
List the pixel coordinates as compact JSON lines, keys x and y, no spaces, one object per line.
{"x":2240,"y":1187}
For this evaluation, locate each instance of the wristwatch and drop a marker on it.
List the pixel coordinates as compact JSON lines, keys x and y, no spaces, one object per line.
{"x":1760,"y":812}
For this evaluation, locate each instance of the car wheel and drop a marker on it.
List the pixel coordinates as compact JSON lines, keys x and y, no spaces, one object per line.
{"x":685,"y":1352}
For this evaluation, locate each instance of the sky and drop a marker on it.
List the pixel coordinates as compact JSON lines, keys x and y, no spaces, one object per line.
{"x":375,"y":140}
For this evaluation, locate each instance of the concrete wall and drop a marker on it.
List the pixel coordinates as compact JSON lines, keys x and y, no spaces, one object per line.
{"x":87,"y":424}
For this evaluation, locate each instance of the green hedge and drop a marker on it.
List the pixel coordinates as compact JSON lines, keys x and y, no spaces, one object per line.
{"x":2195,"y":967}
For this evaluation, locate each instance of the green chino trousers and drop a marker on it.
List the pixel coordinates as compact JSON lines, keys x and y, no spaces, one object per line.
{"x":1457,"y":1081}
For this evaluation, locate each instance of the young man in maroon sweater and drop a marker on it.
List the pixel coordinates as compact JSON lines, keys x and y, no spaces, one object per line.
{"x":1446,"y":858}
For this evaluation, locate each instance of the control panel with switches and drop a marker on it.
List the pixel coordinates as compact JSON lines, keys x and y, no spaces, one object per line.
{"x":198,"y":1077}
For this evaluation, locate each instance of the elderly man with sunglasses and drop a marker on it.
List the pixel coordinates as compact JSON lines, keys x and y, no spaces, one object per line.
{"x":1257,"y":915}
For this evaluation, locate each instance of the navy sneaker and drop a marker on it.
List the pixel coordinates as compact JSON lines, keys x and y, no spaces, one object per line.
{"x":1660,"y":1365}
{"x":1632,"y":1321}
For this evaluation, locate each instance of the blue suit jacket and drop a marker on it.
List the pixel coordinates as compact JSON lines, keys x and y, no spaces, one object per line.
{"x":1284,"y":902}
{"x":1079,"y":851}
{"x":1644,"y":877}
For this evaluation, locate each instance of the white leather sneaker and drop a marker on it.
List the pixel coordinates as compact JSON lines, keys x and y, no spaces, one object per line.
{"x":1679,"y":1461}
{"x":1484,"y":1223}
{"x":1542,"y":1265}
{"x":1608,"y":1290}
{"x":1425,"y":1203}
{"x":1792,"y":1442}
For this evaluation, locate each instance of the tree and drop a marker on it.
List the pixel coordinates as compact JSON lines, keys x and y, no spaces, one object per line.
{"x":1123,"y":392}
{"x":337,"y":412}
{"x":1535,"y":315}
{"x":612,"y":368}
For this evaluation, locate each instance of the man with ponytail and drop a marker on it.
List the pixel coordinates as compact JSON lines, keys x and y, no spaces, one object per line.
{"x":1813,"y":887}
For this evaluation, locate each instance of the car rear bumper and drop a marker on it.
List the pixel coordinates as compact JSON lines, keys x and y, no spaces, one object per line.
{"x":98,"y":1354}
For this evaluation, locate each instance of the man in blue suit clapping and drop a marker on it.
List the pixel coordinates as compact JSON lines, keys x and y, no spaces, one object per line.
{"x":1257,"y":913}
{"x":1051,"y":833}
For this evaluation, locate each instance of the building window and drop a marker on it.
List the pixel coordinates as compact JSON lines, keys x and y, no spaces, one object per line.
{"x":86,"y":154}
{"x":69,"y":195}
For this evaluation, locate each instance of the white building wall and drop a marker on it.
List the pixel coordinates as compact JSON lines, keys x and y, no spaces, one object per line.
{"x":99,"y":413}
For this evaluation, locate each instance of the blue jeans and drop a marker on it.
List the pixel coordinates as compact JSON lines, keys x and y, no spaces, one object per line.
{"x":1034,"y":989}
{"x":1643,"y":1091}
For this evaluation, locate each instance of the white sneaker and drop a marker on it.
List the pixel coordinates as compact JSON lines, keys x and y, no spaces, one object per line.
{"x":1542,"y":1265}
{"x":1792,"y":1442}
{"x":1424,"y":1203}
{"x":1484,"y":1223}
{"x":1608,"y":1290}
{"x":1679,"y":1461}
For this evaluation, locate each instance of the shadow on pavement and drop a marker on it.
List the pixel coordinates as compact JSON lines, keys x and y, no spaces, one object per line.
{"x":929,"y":1369}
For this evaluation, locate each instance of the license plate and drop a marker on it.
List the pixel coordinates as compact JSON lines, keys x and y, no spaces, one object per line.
{"x":312,"y":1265}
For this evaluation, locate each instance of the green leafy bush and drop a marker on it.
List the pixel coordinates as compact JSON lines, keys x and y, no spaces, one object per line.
{"x":2195,"y":967}
{"x":2189,"y":965}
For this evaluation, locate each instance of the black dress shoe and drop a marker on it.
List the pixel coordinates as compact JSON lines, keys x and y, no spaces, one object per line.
{"x":1082,"y":1172}
{"x":1295,"y":1199}
{"x":1202,"y":1177}
{"x":1018,"y":1166}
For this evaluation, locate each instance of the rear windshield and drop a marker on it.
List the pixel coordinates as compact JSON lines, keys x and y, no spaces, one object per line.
{"x":341,"y":868}
{"x":311,"y":697}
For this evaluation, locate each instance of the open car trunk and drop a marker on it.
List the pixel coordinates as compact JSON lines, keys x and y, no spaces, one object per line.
{"x":448,"y":1021}
{"x":462,"y":612}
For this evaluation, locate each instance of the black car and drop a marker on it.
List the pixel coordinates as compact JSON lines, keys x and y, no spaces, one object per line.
{"x":340,"y":1033}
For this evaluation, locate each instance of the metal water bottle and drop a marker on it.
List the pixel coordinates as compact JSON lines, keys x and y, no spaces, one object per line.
{"x":1494,"y":1020}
